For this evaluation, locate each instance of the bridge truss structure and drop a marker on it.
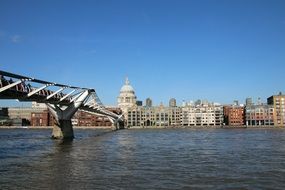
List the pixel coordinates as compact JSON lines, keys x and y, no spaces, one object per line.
{"x":62,"y":100}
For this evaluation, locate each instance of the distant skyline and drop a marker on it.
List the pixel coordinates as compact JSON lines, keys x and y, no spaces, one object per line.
{"x":217,"y":50}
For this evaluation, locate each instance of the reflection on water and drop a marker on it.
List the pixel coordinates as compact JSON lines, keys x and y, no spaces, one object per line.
{"x":144,"y":159}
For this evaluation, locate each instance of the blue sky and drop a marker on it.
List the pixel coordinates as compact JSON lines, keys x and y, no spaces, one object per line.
{"x":220,"y":50}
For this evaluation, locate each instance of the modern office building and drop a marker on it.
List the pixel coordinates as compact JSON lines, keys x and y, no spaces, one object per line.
{"x":172,"y":102}
{"x":139,"y":103}
{"x":248,"y":102}
{"x":148,"y":102}
{"x":278,"y":103}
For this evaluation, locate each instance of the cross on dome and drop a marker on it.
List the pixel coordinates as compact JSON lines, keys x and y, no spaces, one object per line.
{"x":127,"y":81}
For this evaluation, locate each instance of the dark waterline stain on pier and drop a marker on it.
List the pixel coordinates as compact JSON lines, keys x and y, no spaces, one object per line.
{"x":144,"y":159}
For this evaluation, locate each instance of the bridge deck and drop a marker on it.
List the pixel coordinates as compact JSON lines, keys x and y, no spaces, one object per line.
{"x":20,"y":87}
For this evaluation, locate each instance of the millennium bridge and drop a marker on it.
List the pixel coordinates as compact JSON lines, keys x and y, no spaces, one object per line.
{"x":62,"y":101}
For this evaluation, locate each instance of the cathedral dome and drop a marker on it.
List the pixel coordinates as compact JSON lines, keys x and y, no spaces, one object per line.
{"x":127,"y":87}
{"x":127,"y":98}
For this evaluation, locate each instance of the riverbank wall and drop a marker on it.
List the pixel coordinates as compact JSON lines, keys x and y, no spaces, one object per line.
{"x":50,"y":127}
{"x":207,"y":127}
{"x":150,"y":127}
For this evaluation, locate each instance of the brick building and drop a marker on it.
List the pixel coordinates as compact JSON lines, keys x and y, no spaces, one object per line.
{"x":88,"y":120}
{"x":43,"y":118}
{"x":234,"y":115}
{"x":81,"y":118}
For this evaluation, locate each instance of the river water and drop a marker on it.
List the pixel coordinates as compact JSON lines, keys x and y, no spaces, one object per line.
{"x":144,"y":159}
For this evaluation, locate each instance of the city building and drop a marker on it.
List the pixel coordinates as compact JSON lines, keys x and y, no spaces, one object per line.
{"x":236,"y":103}
{"x":248,"y":102}
{"x":148,"y":102}
{"x":127,"y":98}
{"x":202,"y":113}
{"x":234,"y":115}
{"x":139,"y":103}
{"x":278,"y":103}
{"x":36,"y":105}
{"x":156,"y":116}
{"x":90,"y":120}
{"x":80,"y":118}
{"x":4,"y":117}
{"x":172,"y":102}
{"x":259,"y":115}
{"x":175,"y":116}
{"x":21,"y":116}
{"x":4,"y":113}
{"x":43,"y":118}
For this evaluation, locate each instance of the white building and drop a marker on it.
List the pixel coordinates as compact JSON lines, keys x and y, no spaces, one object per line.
{"x":127,"y":98}
{"x":202,"y":114}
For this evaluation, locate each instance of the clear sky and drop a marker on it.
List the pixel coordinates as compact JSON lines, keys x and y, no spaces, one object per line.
{"x":220,"y":50}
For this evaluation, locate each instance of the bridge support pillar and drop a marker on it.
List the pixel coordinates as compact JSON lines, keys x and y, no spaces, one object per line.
{"x":63,"y":130}
{"x":116,"y":124}
{"x":63,"y":127}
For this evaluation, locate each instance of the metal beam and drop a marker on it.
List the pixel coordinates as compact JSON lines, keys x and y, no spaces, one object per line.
{"x":102,"y":110}
{"x":99,"y":113}
{"x":95,"y":106}
{"x":111,"y":119}
{"x":105,"y":111}
{"x":77,"y":96}
{"x":88,"y":102}
{"x":55,"y":93}
{"x":38,"y":89}
{"x":64,"y":97}
{"x":10,"y":85}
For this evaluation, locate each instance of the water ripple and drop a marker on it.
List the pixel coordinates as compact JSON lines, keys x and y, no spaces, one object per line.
{"x":144,"y":159}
